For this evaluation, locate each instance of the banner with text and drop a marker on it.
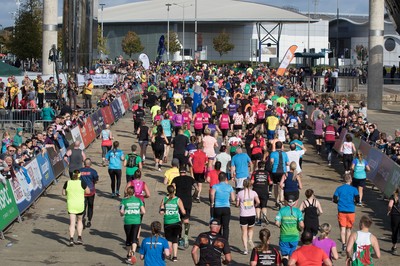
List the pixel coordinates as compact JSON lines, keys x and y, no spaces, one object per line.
{"x":116,"y":110}
{"x":98,"y":79}
{"x":45,"y":169}
{"x":87,"y":132}
{"x":107,"y":114}
{"x":8,"y":207}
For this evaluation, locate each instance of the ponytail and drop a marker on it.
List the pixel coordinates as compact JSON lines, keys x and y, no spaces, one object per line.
{"x":325,"y":229}
{"x":264,"y":236}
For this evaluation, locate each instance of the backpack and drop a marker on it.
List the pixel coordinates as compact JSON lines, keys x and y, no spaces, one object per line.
{"x":138,"y":185}
{"x":131,"y":160}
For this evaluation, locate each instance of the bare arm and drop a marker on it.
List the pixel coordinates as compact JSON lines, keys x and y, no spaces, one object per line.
{"x":390,"y":206}
{"x":327,"y":262}
{"x":181,"y":208}
{"x":334,"y":253}
{"x":375,"y":245}
{"x":195,"y":257}
{"x":212,"y":196}
{"x":64,"y":192}
{"x":233,"y":195}
{"x":146,"y":190}
{"x":350,"y":243}
{"x":142,"y":210}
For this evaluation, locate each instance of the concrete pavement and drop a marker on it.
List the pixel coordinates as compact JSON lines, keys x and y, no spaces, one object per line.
{"x":41,"y":239}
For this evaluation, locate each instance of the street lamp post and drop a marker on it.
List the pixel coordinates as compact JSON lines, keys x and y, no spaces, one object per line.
{"x":102,"y":21}
{"x":183,"y":30}
{"x":195,"y":26}
{"x":168,"y":5}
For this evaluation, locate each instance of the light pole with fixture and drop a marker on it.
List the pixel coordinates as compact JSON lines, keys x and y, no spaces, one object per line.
{"x":168,"y":5}
{"x":102,"y":20}
{"x":183,"y":29}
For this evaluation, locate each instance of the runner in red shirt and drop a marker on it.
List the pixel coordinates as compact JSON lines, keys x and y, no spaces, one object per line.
{"x":198,"y":160}
{"x":258,"y":147}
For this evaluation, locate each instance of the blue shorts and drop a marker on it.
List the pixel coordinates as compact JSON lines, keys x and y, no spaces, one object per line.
{"x":270,"y":134}
{"x":287,"y":248}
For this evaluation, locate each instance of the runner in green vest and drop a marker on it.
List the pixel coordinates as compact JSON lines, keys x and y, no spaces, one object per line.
{"x":131,"y":208}
{"x":170,"y":208}
{"x":75,"y":190}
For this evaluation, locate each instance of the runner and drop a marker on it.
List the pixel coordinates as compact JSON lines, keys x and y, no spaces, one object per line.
{"x":240,"y":165}
{"x":291,"y":183}
{"x":115,"y":157}
{"x":247,"y":199}
{"x":132,"y":162}
{"x":360,"y":168}
{"x":106,"y":142}
{"x":260,"y":179}
{"x":183,"y":186}
{"x":211,"y":246}
{"x":90,"y":177}
{"x":75,"y":190}
{"x":143,"y":138}
{"x":155,"y":248}
{"x":394,"y":212}
{"x":325,"y":243}
{"x":312,"y":210}
{"x":131,"y":209}
{"x":264,"y":254}
{"x":171,"y":207}
{"x":198,"y":162}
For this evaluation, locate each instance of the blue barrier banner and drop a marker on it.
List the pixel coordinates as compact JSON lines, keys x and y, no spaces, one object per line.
{"x":27,"y":185}
{"x":116,"y":110}
{"x":45,"y":169}
{"x":98,"y":122}
{"x":56,"y":161}
{"x":373,"y":157}
{"x":383,"y":172}
{"x":393,"y":181}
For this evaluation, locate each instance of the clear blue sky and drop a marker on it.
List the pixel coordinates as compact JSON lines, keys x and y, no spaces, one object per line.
{"x":346,"y":6}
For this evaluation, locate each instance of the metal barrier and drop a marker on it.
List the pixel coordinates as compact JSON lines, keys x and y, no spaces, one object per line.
{"x":43,"y":125}
{"x":341,"y":84}
{"x":26,"y":125}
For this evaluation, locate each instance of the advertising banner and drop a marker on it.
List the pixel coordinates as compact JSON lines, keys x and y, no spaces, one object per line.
{"x":8,"y":207}
{"x":27,"y":185}
{"x":121,"y":105}
{"x":373,"y":157}
{"x":45,"y":169}
{"x":286,"y":60}
{"x":340,"y":141}
{"x":383,"y":173}
{"x":394,"y":180}
{"x":76,"y":136}
{"x":98,"y":79}
{"x":116,"y":110}
{"x":56,"y":161}
{"x":98,"y":122}
{"x":125,"y":101}
{"x":107,"y":114}
{"x":87,"y":132}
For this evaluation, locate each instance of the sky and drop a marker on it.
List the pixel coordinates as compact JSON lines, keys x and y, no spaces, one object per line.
{"x":324,"y":6}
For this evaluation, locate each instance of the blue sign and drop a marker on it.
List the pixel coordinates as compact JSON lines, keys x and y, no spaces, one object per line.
{"x":116,"y":110}
{"x":46,"y":169}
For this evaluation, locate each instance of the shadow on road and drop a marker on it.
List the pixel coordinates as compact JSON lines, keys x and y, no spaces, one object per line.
{"x":51,"y":235}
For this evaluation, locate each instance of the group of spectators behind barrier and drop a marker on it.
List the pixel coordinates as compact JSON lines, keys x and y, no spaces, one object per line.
{"x":24,"y":185}
{"x":384,"y":174}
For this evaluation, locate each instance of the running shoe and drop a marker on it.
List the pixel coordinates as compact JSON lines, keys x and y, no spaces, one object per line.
{"x":89,"y":224}
{"x":113,"y":195}
{"x":360,"y":204}
{"x":159,"y":169}
{"x":394,"y":251}
{"x":258,"y":223}
{"x":245,"y":252}
{"x":186,"y":241}
{"x":117,"y":193}
{"x":174,"y":259}
{"x":71,"y":242}
{"x":79,"y":241}
{"x":265,"y":219}
{"x":197,"y":200}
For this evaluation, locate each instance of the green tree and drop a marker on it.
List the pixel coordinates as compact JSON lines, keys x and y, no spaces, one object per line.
{"x":131,"y":44}
{"x":26,"y":41}
{"x":222,"y":43}
{"x":174,"y":45}
{"x":101,"y":42}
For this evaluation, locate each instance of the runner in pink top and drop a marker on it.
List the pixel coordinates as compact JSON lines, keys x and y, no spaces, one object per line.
{"x":224,"y":121}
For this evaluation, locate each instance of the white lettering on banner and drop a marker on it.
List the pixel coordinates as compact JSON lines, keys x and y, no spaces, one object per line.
{"x":5,"y":199}
{"x":98,"y":79}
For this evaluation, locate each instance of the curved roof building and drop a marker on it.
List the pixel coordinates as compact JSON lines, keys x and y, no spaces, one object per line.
{"x":245,"y":22}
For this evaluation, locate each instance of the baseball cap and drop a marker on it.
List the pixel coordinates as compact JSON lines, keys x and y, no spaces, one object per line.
{"x":182,"y":169}
{"x":175,"y":162}
{"x":215,"y":222}
{"x":291,"y":199}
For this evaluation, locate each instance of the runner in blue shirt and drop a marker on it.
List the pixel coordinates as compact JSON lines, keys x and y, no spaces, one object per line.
{"x":240,"y":168}
{"x":115,"y":157}
{"x":154,"y":249}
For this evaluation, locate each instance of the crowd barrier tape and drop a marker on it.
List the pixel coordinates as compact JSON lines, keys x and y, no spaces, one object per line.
{"x":27,"y":183}
{"x":384,"y":174}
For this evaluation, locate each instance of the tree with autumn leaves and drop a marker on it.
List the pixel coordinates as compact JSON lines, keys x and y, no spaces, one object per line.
{"x":131,"y":44}
{"x":222,"y":43}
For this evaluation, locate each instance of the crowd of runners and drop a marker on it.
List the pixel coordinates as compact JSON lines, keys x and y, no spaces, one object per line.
{"x":237,"y":140}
